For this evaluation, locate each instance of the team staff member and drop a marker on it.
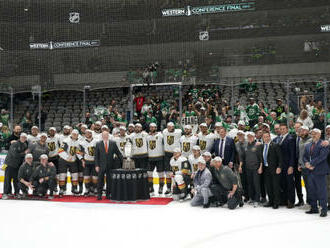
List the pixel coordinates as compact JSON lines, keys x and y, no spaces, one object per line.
{"x":24,"y":175}
{"x":315,"y":159}
{"x":224,"y":147}
{"x":13,"y":161}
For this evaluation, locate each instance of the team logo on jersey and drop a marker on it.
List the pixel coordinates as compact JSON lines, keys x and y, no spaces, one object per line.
{"x":122,"y":145}
{"x":139,"y":142}
{"x":195,"y":166}
{"x":51,"y":146}
{"x":72,"y":150}
{"x":175,"y":168}
{"x":202,"y":144}
{"x":91,"y":151}
{"x":186,"y":146}
{"x":170,"y":140}
{"x":152,"y":144}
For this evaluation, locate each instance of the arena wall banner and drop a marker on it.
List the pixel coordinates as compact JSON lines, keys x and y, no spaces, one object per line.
{"x":212,"y":9}
{"x":325,"y":28}
{"x":65,"y":44}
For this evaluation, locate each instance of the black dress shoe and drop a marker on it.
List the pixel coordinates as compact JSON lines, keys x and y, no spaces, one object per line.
{"x":241,"y":204}
{"x":268,"y":205}
{"x":275,"y":206}
{"x":323,"y":213}
{"x":312,"y":211}
{"x":207,"y":205}
{"x":99,"y":197}
{"x":299,"y":204}
{"x":328,"y":207}
{"x":290,"y":205}
{"x":218,"y":204}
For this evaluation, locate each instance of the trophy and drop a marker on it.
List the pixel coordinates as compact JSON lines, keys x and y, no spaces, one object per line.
{"x":128,"y":163}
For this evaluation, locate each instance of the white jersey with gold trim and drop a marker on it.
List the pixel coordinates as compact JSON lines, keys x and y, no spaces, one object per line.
{"x":62,"y":137}
{"x":194,"y":162}
{"x":87,"y":147}
{"x":155,"y":145}
{"x":53,"y":144}
{"x":206,"y":141}
{"x":179,"y":165}
{"x":171,"y":139}
{"x":187,"y":143}
{"x":33,"y":139}
{"x":139,"y":144}
{"x":121,"y":143}
{"x":70,"y":150}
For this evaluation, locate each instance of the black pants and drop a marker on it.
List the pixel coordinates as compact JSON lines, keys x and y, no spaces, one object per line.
{"x":262,"y":185}
{"x":253,"y":181}
{"x":287,"y":187}
{"x":141,"y":162}
{"x":244,"y":183}
{"x":41,"y":188}
{"x":297,"y":184}
{"x":221,"y":195}
{"x":11,"y":173}
{"x":23,"y":187}
{"x":272,"y":183}
{"x":104,"y":172}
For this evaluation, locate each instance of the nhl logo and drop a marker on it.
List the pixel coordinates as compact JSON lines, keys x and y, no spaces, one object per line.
{"x":74,"y":17}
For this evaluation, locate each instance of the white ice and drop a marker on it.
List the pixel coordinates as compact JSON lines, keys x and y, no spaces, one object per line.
{"x":52,"y":224}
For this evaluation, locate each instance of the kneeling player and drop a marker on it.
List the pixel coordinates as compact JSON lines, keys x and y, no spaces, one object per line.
{"x":44,"y":177}
{"x":181,"y":171}
{"x":87,"y":146}
{"x":68,"y":161}
{"x":24,"y":175}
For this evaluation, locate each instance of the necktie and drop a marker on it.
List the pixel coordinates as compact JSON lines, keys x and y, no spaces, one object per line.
{"x":106,"y":147}
{"x":221,"y":148}
{"x":297,"y":146}
{"x":280,"y":139}
{"x":312,"y":147}
{"x":265,"y":155}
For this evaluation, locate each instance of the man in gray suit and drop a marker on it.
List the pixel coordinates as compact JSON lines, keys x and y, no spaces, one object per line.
{"x":202,"y":181}
{"x":104,"y":161}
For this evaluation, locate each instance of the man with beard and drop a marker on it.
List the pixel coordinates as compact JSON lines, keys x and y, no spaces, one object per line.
{"x":34,"y":137}
{"x":38,"y":148}
{"x":87,"y":147}
{"x":53,"y":143}
{"x":139,"y":147}
{"x":14,"y":136}
{"x":121,"y":141}
{"x":24,"y":175}
{"x":66,"y":133}
{"x":131,"y":128}
{"x":12,"y":163}
{"x":205,"y":139}
{"x":156,"y":157}
{"x":44,"y":177}
{"x":68,"y":153}
{"x":171,"y":141}
{"x":303,"y":141}
{"x":97,"y":130}
{"x":187,"y":141}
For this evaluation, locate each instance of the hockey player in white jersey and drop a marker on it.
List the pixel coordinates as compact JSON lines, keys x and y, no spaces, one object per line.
{"x":181,"y":172}
{"x":69,"y":152}
{"x":193,"y":159}
{"x":87,"y":148}
{"x":34,"y":137}
{"x":65,"y":134}
{"x":205,"y":139}
{"x":121,"y":141}
{"x":187,"y":141}
{"x":53,"y":143}
{"x":171,"y":141}
{"x":217,"y":128}
{"x":156,"y":157}
{"x":139,"y":147}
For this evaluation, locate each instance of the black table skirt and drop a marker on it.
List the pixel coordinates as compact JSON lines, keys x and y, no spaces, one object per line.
{"x":129,"y":185}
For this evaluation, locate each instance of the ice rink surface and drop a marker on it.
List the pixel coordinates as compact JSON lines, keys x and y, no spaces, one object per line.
{"x":53,"y":224}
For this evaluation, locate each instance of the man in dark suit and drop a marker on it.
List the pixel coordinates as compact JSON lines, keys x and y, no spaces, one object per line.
{"x":224,"y":148}
{"x":104,"y":162}
{"x":315,"y":159}
{"x":288,"y":151}
{"x":271,"y":159}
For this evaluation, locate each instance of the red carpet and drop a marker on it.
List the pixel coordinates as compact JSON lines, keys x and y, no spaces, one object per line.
{"x":92,"y":199}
